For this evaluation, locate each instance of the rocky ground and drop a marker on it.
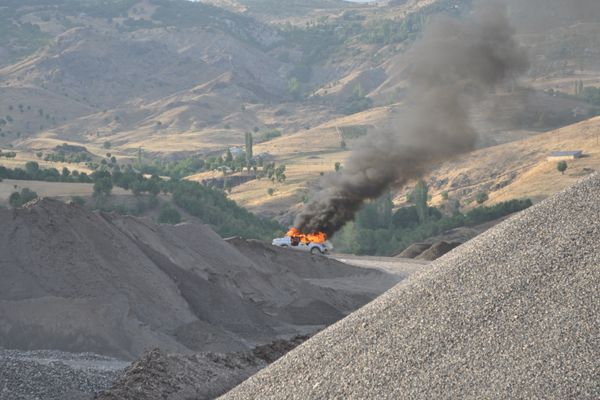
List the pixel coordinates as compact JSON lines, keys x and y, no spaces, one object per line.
{"x":159,"y":376}
{"x":55,"y":375}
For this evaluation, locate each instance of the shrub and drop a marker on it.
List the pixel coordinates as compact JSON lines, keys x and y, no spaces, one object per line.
{"x":17,"y":199}
{"x":80,"y":201}
{"x":562,"y":167}
{"x":481,"y":197}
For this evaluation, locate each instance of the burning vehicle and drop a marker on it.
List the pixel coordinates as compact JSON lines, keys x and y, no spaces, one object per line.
{"x":315,"y":243}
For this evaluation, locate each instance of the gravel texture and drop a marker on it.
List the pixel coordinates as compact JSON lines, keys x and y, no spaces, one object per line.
{"x":513,"y":313}
{"x":54,"y":375}
{"x":161,"y":376}
{"x":414,"y":250}
{"x":437,"y":250}
{"x":78,"y":281}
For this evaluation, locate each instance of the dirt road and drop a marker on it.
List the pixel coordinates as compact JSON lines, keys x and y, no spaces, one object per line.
{"x":370,"y":285}
{"x":401,"y":267}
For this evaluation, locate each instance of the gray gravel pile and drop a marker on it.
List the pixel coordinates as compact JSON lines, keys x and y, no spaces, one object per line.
{"x":514,"y":313}
{"x":77,"y":281}
{"x":437,"y":250}
{"x":161,"y":376}
{"x":54,"y":375}
{"x":414,"y":250}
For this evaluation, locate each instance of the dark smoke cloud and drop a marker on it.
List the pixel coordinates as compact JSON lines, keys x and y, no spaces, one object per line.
{"x":455,"y":64}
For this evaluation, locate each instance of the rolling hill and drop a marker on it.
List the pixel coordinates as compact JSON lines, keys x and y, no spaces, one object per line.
{"x":179,"y":79}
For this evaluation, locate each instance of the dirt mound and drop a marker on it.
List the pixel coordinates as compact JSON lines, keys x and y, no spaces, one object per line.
{"x":414,"y":250}
{"x":161,"y":376}
{"x":512,"y":313}
{"x":437,"y":250}
{"x":93,"y":282}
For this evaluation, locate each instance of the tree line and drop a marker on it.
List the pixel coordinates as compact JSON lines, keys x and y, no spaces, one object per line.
{"x":378,"y":230}
{"x":209,"y":205}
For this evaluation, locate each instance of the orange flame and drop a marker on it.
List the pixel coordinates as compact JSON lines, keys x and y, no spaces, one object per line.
{"x":315,"y":237}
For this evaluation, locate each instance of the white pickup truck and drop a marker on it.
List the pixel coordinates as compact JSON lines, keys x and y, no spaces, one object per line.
{"x":313,"y":248}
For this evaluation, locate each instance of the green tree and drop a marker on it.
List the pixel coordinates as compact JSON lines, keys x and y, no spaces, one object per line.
{"x":294,"y":88}
{"x":32,"y":168}
{"x":279,"y":174}
{"x":80,"y":201}
{"x":249,"y":144}
{"x":481,"y":197}
{"x":228,"y":156}
{"x":17,"y":199}
{"x":338,"y":166}
{"x":562,"y":166}
{"x":420,"y":198}
{"x":102,"y":188}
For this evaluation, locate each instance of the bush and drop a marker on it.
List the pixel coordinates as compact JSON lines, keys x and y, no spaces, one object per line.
{"x":481,"y":197}
{"x":80,"y":201}
{"x":103,"y":187}
{"x":562,"y":166}
{"x":169,"y":215}
{"x":17,"y":199}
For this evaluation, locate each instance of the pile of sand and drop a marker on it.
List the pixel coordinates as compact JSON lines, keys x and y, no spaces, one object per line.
{"x":513,"y":313}
{"x":93,"y":282}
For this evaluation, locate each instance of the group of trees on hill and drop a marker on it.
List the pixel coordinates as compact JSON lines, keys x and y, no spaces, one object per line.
{"x":590,"y":94}
{"x":208,"y":204}
{"x":17,"y":199}
{"x":378,"y":230}
{"x":33,"y":172}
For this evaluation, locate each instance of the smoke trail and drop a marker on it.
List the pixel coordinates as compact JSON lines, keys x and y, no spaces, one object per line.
{"x":454,"y":65}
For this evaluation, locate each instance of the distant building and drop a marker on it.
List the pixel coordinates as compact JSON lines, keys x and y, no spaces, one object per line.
{"x":565,"y":155}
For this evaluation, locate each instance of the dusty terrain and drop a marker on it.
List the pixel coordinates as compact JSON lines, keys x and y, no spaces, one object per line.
{"x":120,"y":286}
{"x":512,"y":313}
{"x":123,"y":285}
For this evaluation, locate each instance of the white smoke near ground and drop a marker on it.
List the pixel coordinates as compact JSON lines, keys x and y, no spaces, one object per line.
{"x":456,"y":64}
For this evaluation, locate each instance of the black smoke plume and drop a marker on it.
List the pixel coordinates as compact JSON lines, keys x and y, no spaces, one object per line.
{"x":456,"y":64}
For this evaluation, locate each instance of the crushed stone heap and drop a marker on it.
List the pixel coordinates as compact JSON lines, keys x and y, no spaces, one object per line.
{"x":78,"y":281}
{"x":514,"y":313}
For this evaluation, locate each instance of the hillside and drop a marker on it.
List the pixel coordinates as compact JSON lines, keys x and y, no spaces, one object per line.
{"x":519,"y":169}
{"x":167,"y":80}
